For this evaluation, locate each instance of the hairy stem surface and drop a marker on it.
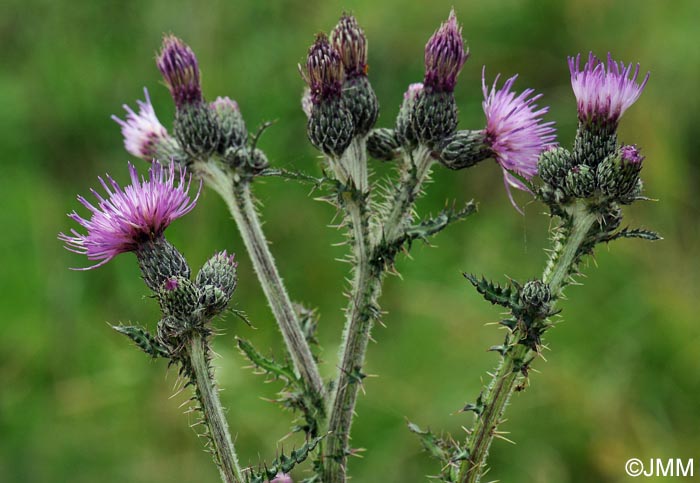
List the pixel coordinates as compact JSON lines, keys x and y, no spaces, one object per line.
{"x":364,"y":308}
{"x":513,"y":367}
{"x":208,"y":396}
{"x":239,"y":200}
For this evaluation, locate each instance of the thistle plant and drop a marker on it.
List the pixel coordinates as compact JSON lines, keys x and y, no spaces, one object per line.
{"x":583,"y":188}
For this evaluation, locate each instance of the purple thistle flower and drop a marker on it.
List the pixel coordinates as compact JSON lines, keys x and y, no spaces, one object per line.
{"x":630,"y":154}
{"x":324,"y":73}
{"x":178,"y":64}
{"x":515,"y":131}
{"x":132,"y":215}
{"x":444,"y":56}
{"x":144,"y":135}
{"x":604,"y":91}
{"x":350,"y":41}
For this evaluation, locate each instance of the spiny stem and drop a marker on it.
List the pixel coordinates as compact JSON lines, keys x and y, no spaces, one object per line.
{"x":239,"y":199}
{"x":512,"y":369}
{"x":415,"y":170}
{"x":356,"y":334}
{"x":364,"y":309}
{"x":208,"y":397}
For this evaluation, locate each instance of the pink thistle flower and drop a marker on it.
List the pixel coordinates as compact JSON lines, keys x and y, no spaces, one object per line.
{"x":515,"y":130}
{"x":604,"y":90}
{"x":144,"y":136}
{"x":133,"y":215}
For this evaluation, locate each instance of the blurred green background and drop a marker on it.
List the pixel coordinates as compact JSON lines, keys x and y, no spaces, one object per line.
{"x":78,"y":403}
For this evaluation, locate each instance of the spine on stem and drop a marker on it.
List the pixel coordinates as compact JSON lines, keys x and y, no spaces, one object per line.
{"x":197,"y":367}
{"x":516,"y":358}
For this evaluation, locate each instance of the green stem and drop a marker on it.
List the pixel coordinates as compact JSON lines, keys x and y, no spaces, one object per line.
{"x":238,"y":197}
{"x":512,"y":368}
{"x":415,"y":171}
{"x":208,"y":397}
{"x":361,"y":312}
{"x":365,"y":292}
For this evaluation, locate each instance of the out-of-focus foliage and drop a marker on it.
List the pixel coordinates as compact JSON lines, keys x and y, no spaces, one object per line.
{"x":79,"y":404}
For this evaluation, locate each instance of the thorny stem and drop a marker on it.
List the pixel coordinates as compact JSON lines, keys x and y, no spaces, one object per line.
{"x":364,"y":309}
{"x":414,"y":172}
{"x":358,"y":326}
{"x":512,"y":369}
{"x":208,"y":397}
{"x":239,"y":199}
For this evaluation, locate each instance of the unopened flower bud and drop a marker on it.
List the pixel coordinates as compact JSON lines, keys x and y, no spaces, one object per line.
{"x":217,"y":281}
{"x":580,"y":181}
{"x":404,"y":121}
{"x":257,"y":160}
{"x":195,"y":126}
{"x":350,"y":42}
{"x":535,"y":297}
{"x":434,"y":116}
{"x":382,"y":144}
{"x":618,"y":174}
{"x":463,"y":149}
{"x":180,"y":69}
{"x":161,"y":263}
{"x":228,"y":118}
{"x":445,"y":55}
{"x":179,"y":298}
{"x":553,"y":165}
{"x":330,"y":127}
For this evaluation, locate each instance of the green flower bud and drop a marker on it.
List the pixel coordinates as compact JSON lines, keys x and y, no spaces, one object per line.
{"x":463,"y":149}
{"x":553,"y":166}
{"x":382,"y":144}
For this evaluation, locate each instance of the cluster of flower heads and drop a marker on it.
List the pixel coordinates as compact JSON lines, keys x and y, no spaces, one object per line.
{"x":515,"y":134}
{"x":132,"y":215}
{"x":333,"y":60}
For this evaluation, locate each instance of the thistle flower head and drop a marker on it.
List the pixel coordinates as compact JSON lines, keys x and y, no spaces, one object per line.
{"x":129,"y":216}
{"x":225,"y":104}
{"x":515,"y":131}
{"x":143,"y":133}
{"x":178,"y":64}
{"x":324,"y":72}
{"x":444,"y":56}
{"x":604,"y":90}
{"x":630,"y":154}
{"x":350,"y":41}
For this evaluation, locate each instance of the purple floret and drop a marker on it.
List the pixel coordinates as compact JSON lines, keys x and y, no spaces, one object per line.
{"x":515,"y":130}
{"x":130,"y":216}
{"x":604,"y":90}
